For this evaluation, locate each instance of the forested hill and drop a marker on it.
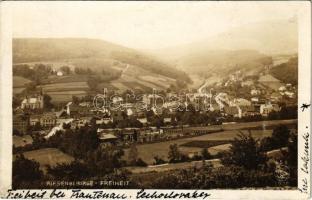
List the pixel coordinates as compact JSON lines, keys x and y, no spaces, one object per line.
{"x":59,"y":49}
{"x":287,"y":72}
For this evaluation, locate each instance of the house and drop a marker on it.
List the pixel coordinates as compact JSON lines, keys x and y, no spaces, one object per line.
{"x":107,"y":139}
{"x":59,"y":73}
{"x":249,"y":111}
{"x":167,"y":120}
{"x":62,"y":121}
{"x":117,"y":100}
{"x":242,"y":102}
{"x":129,"y":135}
{"x":265,"y":109}
{"x":34,"y":119}
{"x":213,"y":107}
{"x":289,"y":94}
{"x":247,"y":83}
{"x":232,"y":111}
{"x":275,"y":96}
{"x":48,"y":119}
{"x":75,"y":111}
{"x":151,"y":99}
{"x":118,"y":115}
{"x":157,"y":110}
{"x":254,"y":99}
{"x":143,"y":120}
{"x":20,"y":123}
{"x":85,"y":104}
{"x":81,"y":122}
{"x":150,"y":135}
{"x":103,"y":121}
{"x":282,"y":88}
{"x":129,"y":112}
{"x":255,"y":92}
{"x":32,"y":103}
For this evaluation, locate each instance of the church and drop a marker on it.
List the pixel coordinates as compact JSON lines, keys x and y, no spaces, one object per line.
{"x":33,"y":102}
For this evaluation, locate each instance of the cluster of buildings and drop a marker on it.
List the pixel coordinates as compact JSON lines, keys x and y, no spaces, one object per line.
{"x":261,"y":102}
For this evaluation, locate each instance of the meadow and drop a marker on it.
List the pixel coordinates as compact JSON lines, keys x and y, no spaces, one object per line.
{"x":19,"y":84}
{"x":259,"y":130}
{"x":48,"y":156}
{"x":65,"y":96}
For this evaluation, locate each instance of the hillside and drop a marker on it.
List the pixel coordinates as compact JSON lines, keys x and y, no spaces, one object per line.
{"x":240,"y":48}
{"x":225,"y":61}
{"x":287,"y":72}
{"x":95,"y":54}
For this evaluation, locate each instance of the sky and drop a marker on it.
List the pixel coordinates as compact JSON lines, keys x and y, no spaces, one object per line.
{"x":141,"y":25}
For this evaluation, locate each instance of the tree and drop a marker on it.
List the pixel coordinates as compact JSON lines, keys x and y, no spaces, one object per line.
{"x":158,"y":161}
{"x":280,"y":136}
{"x":140,"y":163}
{"x":205,"y":154}
{"x":66,"y":126}
{"x":25,"y":170}
{"x":291,"y":158}
{"x":244,"y":151}
{"x":47,"y":102}
{"x":65,"y":69}
{"x":16,"y":102}
{"x":103,"y":161}
{"x":93,"y":82}
{"x":174,"y":154}
{"x":75,"y":100}
{"x":133,"y":155}
{"x":69,"y":171}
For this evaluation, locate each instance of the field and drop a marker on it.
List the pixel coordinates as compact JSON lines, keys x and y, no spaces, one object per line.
{"x":172,"y":166}
{"x":134,"y":77}
{"x":19,"y":81}
{"x":48,"y":156}
{"x":158,"y":80}
{"x":66,"y":79}
{"x":204,"y":143}
{"x":18,"y":90}
{"x":65,"y":96}
{"x":19,"y":84}
{"x":63,"y":88}
{"x":71,"y":86}
{"x":147,"y":152}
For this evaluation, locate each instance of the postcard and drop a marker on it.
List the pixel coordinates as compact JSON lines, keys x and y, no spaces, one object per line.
{"x":155,"y":100}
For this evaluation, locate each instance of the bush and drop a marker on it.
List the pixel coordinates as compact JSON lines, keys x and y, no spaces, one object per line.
{"x":205,"y":154}
{"x":244,"y":151}
{"x":72,"y":171}
{"x":141,"y":163}
{"x":25,"y":170}
{"x":279,"y":138}
{"x":208,"y":178}
{"x":158,"y":161}
{"x":174,"y":155}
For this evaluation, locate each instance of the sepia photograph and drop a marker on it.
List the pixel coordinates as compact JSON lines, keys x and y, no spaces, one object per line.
{"x":155,"y":95}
